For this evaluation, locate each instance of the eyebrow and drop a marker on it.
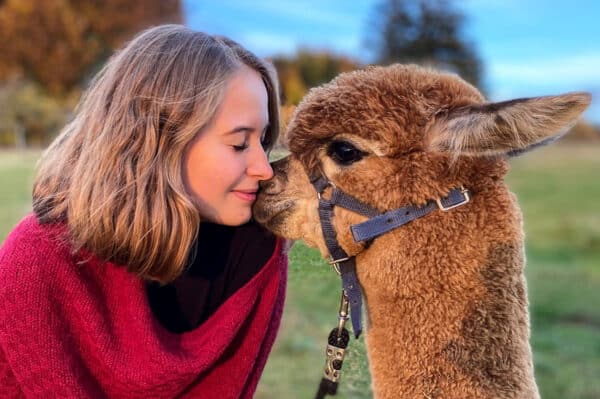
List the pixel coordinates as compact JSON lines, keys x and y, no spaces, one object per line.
{"x":247,"y":129}
{"x":241,"y":129}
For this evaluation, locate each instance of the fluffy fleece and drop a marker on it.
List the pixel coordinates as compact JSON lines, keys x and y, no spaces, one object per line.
{"x":445,"y":295}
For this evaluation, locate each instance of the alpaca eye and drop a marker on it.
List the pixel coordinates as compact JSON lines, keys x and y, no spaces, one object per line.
{"x":344,"y":153}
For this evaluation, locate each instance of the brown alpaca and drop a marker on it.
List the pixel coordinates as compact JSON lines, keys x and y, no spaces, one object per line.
{"x":445,"y":294}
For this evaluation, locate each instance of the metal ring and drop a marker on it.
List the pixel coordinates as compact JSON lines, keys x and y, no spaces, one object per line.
{"x":329,"y":183}
{"x":336,"y":268}
{"x":331,"y":262}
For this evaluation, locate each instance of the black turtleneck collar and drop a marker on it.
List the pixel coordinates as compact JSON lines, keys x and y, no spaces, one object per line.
{"x":222,"y":260}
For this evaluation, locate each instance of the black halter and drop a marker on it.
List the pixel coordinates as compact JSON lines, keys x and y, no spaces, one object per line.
{"x":378,"y":224}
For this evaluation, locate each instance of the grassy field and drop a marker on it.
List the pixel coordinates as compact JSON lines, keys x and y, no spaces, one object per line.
{"x":559,"y":190}
{"x":16,"y":177}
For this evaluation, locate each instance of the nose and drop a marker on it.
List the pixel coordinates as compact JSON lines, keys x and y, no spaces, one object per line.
{"x":259,"y":166}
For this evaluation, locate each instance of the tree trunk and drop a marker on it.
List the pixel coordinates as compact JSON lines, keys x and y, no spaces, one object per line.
{"x":20,"y":140}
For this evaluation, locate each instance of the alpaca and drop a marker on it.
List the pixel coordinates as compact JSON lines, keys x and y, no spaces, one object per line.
{"x":445,"y":295}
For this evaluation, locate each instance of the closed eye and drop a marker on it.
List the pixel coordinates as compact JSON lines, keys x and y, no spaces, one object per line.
{"x":241,"y":147}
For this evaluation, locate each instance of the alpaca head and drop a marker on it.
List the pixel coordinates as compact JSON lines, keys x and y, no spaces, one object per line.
{"x":399,"y":135}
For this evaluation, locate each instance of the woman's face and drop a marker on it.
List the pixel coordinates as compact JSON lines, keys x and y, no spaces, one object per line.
{"x":227,"y":160}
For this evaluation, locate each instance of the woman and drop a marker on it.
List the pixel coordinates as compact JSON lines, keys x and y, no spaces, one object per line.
{"x":139,"y":273}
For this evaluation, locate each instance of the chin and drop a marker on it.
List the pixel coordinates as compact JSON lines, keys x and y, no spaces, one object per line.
{"x":229,"y":219}
{"x":237,"y":220}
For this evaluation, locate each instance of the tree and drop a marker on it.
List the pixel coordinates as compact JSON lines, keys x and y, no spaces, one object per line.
{"x":308,"y":69}
{"x":28,"y":116}
{"x":426,"y":32}
{"x":56,"y":43}
{"x":291,"y":84}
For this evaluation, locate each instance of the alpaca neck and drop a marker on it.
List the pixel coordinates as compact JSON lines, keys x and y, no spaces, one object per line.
{"x":456,"y":329}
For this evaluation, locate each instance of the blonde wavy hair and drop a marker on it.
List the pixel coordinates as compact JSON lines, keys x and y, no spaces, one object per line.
{"x":114,"y":175}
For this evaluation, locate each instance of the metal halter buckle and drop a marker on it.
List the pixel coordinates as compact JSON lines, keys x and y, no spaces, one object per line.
{"x":443,"y":208}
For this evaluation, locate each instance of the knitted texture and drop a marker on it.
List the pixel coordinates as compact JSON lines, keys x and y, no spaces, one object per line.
{"x":76,"y":327}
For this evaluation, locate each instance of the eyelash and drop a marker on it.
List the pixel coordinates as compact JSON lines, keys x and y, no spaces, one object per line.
{"x":264,"y":143}
{"x":240,"y":148}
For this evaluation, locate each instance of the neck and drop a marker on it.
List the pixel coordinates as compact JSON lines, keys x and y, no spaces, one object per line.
{"x":454,"y":326}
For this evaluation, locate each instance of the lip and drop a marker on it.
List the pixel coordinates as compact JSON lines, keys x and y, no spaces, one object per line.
{"x":245,"y":195}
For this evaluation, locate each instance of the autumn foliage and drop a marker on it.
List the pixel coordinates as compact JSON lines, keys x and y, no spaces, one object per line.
{"x":51,"y":48}
{"x":57,"y":43}
{"x":307,"y":69}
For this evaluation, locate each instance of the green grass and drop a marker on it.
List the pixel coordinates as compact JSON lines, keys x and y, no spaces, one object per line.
{"x":16,"y":178}
{"x":559,"y":191}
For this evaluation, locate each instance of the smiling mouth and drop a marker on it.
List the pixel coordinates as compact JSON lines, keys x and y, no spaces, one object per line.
{"x":249,"y":196}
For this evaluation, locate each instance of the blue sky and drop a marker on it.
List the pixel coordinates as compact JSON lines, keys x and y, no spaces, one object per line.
{"x":529,"y":47}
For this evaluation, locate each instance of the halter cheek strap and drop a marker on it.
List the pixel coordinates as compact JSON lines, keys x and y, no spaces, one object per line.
{"x":345,"y":264}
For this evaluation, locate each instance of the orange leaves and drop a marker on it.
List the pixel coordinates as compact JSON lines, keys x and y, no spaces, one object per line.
{"x":58,"y":42}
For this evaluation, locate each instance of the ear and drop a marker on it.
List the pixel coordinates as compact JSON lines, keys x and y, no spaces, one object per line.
{"x":506,"y":128}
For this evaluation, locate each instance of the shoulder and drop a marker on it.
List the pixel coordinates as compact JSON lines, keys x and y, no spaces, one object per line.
{"x":31,"y":252}
{"x":29,"y":237}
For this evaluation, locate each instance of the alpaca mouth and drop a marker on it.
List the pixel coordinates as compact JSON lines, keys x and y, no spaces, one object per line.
{"x":266,"y":211}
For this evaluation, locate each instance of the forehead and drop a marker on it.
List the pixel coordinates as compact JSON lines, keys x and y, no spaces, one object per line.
{"x":389,"y":106}
{"x":245,"y":98}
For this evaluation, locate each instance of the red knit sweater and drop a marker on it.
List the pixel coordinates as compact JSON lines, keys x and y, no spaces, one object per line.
{"x":77,"y":330}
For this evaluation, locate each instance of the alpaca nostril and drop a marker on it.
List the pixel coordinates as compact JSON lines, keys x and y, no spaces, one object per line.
{"x":276,"y":184}
{"x":266,"y":185}
{"x":273,"y":186}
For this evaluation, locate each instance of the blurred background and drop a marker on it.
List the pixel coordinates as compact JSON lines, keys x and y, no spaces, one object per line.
{"x":50,"y":49}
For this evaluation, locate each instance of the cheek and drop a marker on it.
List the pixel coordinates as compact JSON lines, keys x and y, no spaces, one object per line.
{"x":342,"y":221}
{"x":308,"y":225}
{"x":209,"y":174}
{"x":198,"y":176}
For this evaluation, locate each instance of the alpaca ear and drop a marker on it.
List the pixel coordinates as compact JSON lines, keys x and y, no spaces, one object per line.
{"x":506,"y":128}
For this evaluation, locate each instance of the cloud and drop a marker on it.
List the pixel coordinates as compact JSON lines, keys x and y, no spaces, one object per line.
{"x":311,"y":12}
{"x":582,"y":69}
{"x":333,"y":14}
{"x":554,"y":75}
{"x":267,"y":44}
{"x":270,"y":44}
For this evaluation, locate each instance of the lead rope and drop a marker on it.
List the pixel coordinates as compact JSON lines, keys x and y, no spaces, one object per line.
{"x":337,"y":342}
